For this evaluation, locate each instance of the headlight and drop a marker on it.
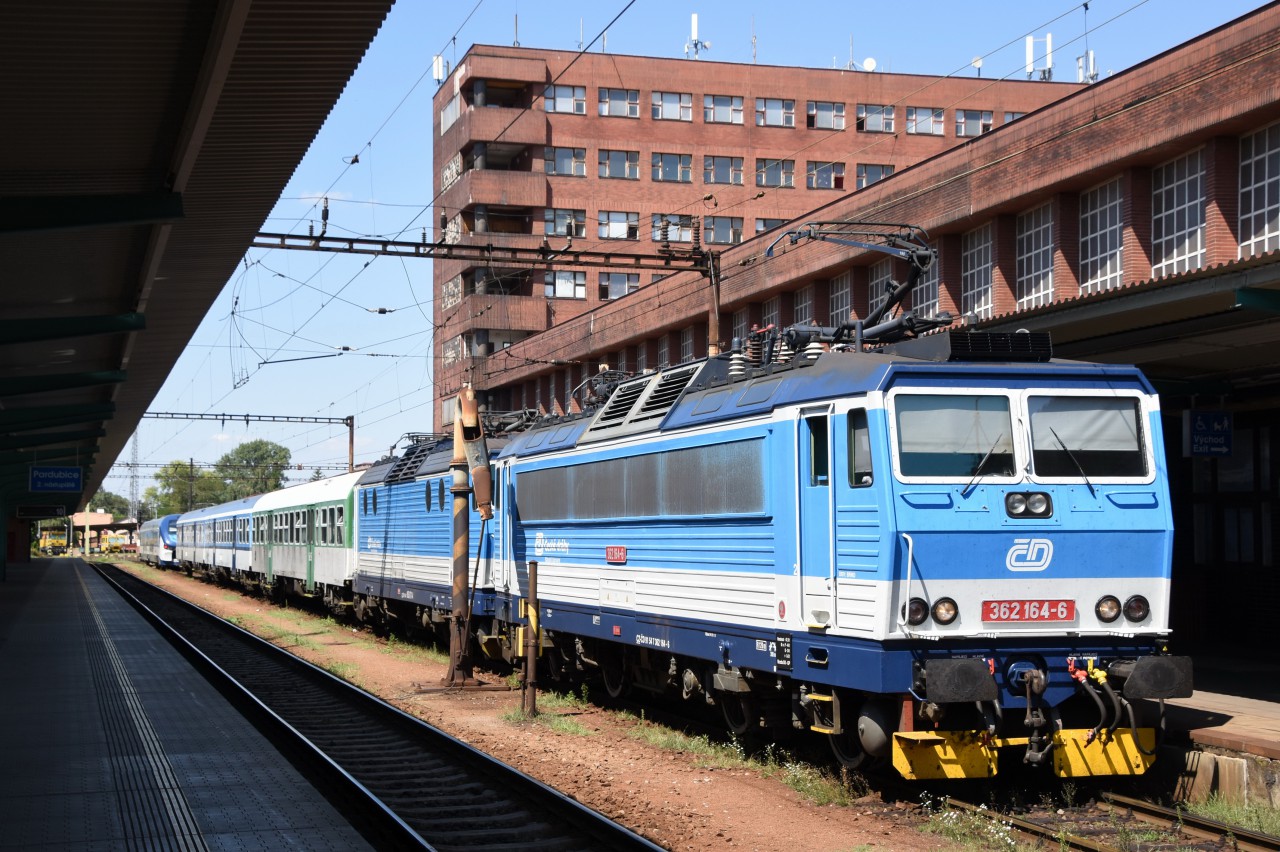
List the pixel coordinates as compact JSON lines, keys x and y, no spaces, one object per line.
{"x":917,"y":611}
{"x":1137,"y":608}
{"x":945,"y":610}
{"x":1028,"y":504}
{"x":1107,"y":608}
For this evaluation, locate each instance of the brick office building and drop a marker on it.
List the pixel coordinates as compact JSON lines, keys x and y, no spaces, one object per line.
{"x":535,"y":144}
{"x":1137,"y":220}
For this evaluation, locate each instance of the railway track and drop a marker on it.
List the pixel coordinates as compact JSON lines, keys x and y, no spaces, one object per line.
{"x":1118,"y":823}
{"x":401,"y":781}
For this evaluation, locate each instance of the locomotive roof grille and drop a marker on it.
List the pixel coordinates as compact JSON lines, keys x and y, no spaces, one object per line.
{"x":407,"y":465}
{"x":665,"y":393}
{"x":615,"y":410}
{"x":1034,"y":346}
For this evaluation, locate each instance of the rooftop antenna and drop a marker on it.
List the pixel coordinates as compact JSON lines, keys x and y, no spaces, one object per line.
{"x":579,"y":34}
{"x":439,"y":68}
{"x":693,"y":40}
{"x":515,"y":42}
{"x":1086,"y":68}
{"x":977,"y":63}
{"x":753,"y":40}
{"x":1046,"y":72}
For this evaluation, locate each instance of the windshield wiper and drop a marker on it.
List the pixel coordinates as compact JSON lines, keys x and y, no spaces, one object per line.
{"x":1075,"y":461}
{"x":977,"y":471}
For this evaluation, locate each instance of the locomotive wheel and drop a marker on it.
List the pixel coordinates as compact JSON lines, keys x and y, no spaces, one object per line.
{"x":739,"y":711}
{"x":613,"y":670}
{"x":847,"y":745}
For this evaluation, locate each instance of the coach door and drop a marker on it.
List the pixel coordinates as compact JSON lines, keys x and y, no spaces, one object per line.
{"x":814,"y":513}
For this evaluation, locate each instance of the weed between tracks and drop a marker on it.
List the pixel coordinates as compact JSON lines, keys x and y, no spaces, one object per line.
{"x":1255,"y":816}
{"x":969,"y":830}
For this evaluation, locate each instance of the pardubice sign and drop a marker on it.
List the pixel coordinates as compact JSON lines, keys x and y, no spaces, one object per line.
{"x":48,"y":478}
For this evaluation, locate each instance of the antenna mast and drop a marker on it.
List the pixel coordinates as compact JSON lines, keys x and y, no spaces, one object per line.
{"x":693,"y":40}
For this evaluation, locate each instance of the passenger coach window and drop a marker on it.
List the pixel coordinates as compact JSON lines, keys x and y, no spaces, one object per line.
{"x":954,"y":435}
{"x":1076,"y":436}
{"x":860,"y":474}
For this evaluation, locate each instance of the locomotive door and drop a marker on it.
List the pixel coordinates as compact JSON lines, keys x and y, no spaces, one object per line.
{"x":814,"y":517}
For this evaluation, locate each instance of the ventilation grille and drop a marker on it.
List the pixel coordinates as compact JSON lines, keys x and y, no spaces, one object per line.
{"x":407,"y":465}
{"x":1001,"y":346}
{"x":664,"y":395}
{"x":615,"y":410}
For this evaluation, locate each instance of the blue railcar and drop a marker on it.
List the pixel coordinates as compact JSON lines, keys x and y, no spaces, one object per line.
{"x":157,"y":541}
{"x":217,"y":540}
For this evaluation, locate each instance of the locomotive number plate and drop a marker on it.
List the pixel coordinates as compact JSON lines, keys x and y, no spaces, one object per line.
{"x":1040,"y":610}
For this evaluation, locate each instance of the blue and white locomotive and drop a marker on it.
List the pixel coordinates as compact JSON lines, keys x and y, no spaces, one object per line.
{"x":157,"y":539}
{"x":931,"y":550}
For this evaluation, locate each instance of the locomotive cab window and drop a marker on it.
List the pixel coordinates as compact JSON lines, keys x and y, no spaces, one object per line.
{"x":819,"y":455}
{"x":954,"y":435}
{"x":860,"y":473}
{"x":1086,"y":436}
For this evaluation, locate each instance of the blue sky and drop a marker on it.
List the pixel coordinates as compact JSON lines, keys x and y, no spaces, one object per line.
{"x":260,"y":348}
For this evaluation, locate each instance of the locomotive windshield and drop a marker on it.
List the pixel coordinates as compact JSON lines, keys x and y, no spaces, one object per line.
{"x":954,"y":435}
{"x":971,"y":436}
{"x":1086,"y":436}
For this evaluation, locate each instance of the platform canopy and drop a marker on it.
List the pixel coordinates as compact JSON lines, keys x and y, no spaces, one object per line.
{"x":144,"y":145}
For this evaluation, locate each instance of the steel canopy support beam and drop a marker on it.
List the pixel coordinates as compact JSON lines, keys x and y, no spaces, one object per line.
{"x":22,"y":442}
{"x":51,"y":328}
{"x":58,"y":212}
{"x":59,"y":381}
{"x":46,"y":416}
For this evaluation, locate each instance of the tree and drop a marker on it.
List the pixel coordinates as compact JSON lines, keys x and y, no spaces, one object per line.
{"x":316,"y":476}
{"x":254,"y":467}
{"x":183,"y":486}
{"x":105,"y":501}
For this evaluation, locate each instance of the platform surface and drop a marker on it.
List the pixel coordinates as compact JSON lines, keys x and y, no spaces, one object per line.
{"x":110,"y":739}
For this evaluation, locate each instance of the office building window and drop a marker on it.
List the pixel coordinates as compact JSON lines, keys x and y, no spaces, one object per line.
{"x":564,"y":223}
{"x":1260,"y":191}
{"x":924,"y":298}
{"x":615,"y":285}
{"x":1013,"y":116}
{"x":672,"y":106}
{"x":875,"y":118}
{"x":565,"y":285}
{"x":880,"y":282}
{"x":722,"y":109}
{"x":741,"y":325}
{"x":926,"y":121}
{"x":771,"y":312}
{"x":722,"y":170}
{"x":972,"y":122}
{"x":869,"y":173}
{"x":824,"y":175}
{"x":775,"y":172}
{"x":1177,"y":215}
{"x":840,"y":299}
{"x":975,"y":273}
{"x":1034,"y":249}
{"x":763,"y":225}
{"x":802,"y":305}
{"x":624,"y":165}
{"x":664,"y":351}
{"x":775,"y":112}
{"x":571,"y":162}
{"x":1101,"y":238}
{"x":571,"y":99}
{"x":679,"y":229}
{"x":825,"y":115}
{"x":722,"y":229}
{"x":686,"y":344}
{"x":621,"y":103}
{"x":672,"y":168}
{"x":619,"y":225}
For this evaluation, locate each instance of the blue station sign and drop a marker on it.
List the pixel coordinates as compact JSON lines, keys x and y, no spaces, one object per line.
{"x":56,"y":478}
{"x":1210,"y":433}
